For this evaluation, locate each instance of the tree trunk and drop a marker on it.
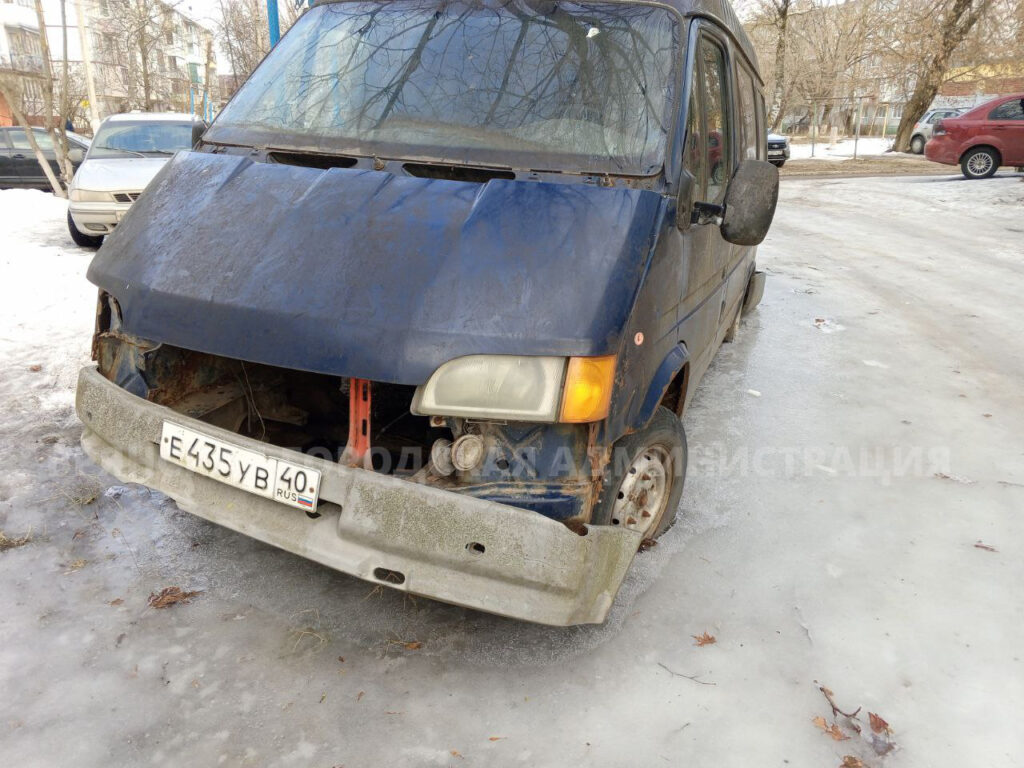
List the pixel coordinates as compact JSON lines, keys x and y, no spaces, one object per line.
{"x":58,"y":148}
{"x":960,"y":17}
{"x":65,"y":110}
{"x":778,"y":109}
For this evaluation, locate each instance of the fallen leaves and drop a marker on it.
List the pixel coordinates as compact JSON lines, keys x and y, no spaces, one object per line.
{"x":878,"y":725}
{"x":169,"y":596}
{"x":704,"y":639}
{"x":832,"y":730}
{"x":412,"y":645}
{"x":117,"y":601}
{"x":849,"y":761}
{"x":76,"y":565}
{"x":497,"y":738}
{"x":647,"y":544}
{"x":360,"y":695}
{"x":35,"y":368}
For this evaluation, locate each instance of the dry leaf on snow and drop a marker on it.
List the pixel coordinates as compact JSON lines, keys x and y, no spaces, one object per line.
{"x":704,"y":639}
{"x":832,"y":730}
{"x":878,"y":725}
{"x":497,"y":738}
{"x":413,"y":645}
{"x":849,"y":761}
{"x":169,"y":596}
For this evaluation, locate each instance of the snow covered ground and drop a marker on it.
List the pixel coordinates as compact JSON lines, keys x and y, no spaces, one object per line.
{"x":843,"y":148}
{"x":851,"y":519}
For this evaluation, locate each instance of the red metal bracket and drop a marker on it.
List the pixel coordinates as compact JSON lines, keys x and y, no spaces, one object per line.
{"x":357,"y":451}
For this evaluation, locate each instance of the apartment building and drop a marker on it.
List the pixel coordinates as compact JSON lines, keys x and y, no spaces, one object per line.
{"x":146,"y":55}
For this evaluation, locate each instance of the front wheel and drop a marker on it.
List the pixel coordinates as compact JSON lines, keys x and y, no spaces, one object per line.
{"x":917,"y":145}
{"x":777,"y":163}
{"x":85,"y":241}
{"x":979,"y":163}
{"x":644,"y":480}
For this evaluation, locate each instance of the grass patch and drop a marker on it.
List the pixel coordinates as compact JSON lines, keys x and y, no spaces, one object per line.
{"x":6,"y":542}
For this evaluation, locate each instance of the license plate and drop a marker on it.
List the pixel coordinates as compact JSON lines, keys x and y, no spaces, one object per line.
{"x":774,"y":152}
{"x":275,"y":479}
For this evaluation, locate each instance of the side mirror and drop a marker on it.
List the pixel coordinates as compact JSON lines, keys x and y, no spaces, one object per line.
{"x":750,"y":202}
{"x":76,"y":155}
{"x":198,"y":129}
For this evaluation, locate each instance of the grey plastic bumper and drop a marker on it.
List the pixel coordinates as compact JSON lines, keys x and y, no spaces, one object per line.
{"x":375,"y":526}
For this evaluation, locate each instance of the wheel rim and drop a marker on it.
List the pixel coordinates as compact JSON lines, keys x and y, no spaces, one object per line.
{"x":979,"y":164}
{"x":644,"y":492}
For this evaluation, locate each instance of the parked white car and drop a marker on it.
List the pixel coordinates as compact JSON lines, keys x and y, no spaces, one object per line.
{"x":925,"y":127}
{"x":126,"y":153}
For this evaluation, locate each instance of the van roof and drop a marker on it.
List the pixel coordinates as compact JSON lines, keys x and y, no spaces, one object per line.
{"x":720,"y":11}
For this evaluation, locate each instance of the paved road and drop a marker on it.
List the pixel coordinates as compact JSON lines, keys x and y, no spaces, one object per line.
{"x":847,"y":454}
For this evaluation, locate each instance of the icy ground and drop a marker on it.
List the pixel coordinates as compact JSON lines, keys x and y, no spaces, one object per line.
{"x":867,"y":146}
{"x":848,"y":455}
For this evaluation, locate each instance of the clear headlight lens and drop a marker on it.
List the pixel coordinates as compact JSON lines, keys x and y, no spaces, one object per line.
{"x":89,"y":196}
{"x":575,"y":389}
{"x":494,"y":387}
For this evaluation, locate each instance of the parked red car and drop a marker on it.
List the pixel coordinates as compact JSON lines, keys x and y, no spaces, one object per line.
{"x":981,"y":140}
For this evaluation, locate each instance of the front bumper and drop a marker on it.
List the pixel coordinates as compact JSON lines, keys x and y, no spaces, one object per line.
{"x":97,"y":218}
{"x":375,"y":526}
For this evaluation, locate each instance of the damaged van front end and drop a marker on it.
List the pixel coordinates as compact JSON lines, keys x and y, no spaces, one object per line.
{"x":229,"y":348}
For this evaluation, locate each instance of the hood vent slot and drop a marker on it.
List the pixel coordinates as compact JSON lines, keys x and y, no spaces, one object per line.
{"x":456,"y":172}
{"x":305,"y":160}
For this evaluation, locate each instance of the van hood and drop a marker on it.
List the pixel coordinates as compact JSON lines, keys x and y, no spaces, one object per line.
{"x":118,"y":174}
{"x":373,"y":275}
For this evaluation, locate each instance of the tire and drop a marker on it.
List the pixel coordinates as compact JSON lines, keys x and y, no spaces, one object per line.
{"x":777,"y":163}
{"x":917,"y":144}
{"x":633,"y":474}
{"x":734,"y":327}
{"x":85,"y":241}
{"x":979,"y":163}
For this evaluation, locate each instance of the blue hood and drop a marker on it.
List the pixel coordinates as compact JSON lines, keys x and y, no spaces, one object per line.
{"x":372,"y":275}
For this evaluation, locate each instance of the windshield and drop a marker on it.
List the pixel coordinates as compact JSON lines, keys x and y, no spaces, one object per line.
{"x":526,"y":84}
{"x":140,"y":139}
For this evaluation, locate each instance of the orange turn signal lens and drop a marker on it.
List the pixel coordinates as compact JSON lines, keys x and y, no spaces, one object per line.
{"x":588,"y":389}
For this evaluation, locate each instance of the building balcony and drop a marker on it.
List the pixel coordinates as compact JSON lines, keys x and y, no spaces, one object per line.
{"x":23,"y":63}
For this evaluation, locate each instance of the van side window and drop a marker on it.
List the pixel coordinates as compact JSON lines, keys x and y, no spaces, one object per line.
{"x":693,"y":155}
{"x":716,"y":119}
{"x":748,"y":116}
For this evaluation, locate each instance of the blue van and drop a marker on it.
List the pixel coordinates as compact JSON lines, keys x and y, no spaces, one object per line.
{"x":429,"y":299}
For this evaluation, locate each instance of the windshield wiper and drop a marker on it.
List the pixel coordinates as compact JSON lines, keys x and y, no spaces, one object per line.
{"x":118,"y":149}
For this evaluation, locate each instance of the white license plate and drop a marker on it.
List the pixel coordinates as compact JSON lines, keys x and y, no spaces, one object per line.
{"x":282,"y":481}
{"x":775,"y":152}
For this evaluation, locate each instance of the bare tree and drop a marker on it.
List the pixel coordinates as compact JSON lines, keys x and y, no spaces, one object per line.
{"x":48,"y":109}
{"x":956,"y":18}
{"x":11,"y":90}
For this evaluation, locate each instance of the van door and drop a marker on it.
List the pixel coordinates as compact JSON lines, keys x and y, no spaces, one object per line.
{"x":720,"y":159}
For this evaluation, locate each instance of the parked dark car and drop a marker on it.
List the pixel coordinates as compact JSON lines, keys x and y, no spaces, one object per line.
{"x":428,"y":301}
{"x":19,"y":166}
{"x":778,"y":149}
{"x":982,"y":139}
